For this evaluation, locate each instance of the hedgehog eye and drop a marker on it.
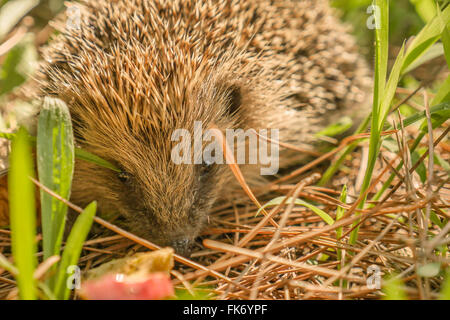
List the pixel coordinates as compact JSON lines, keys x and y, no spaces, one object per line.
{"x":206,"y":168}
{"x":234,"y":99}
{"x":124,"y":176}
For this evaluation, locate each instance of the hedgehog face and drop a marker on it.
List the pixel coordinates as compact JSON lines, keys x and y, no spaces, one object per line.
{"x":163,"y":202}
{"x":154,"y":196}
{"x":169,"y":207}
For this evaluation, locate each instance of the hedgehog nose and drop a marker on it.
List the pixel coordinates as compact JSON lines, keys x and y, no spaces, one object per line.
{"x":182,"y":247}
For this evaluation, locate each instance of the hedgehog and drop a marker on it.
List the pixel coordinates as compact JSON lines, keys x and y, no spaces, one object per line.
{"x":134,"y":71}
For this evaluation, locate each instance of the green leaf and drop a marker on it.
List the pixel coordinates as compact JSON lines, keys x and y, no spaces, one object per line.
{"x":23,"y":214}
{"x":90,"y":157}
{"x":426,"y":9}
{"x":443,"y":94}
{"x":437,"y":112}
{"x":390,"y":144}
{"x":337,"y":128}
{"x":55,"y":160}
{"x":429,"y":270}
{"x":9,"y":136}
{"x":426,"y":38}
{"x":198,"y":294}
{"x":421,"y":170}
{"x":343,"y":154}
{"x":299,"y":202}
{"x":435,"y":51}
{"x":350,"y":4}
{"x":79,"y":153}
{"x":446,"y":40}
{"x":444,"y":164}
{"x":73,"y":248}
{"x":394,"y":290}
{"x":381,"y":54}
{"x":437,"y":119}
{"x":339,"y":214}
{"x":343,"y":198}
{"x":446,"y":44}
{"x":445,"y":292}
{"x":391,"y":87}
{"x":436,"y":220}
{"x":5,"y":264}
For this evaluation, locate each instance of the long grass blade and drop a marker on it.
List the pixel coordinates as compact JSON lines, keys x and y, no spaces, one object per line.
{"x":23,"y":214}
{"x":426,"y":38}
{"x":379,"y":109}
{"x":79,"y":153}
{"x":55,"y":161}
{"x":73,"y":248}
{"x":322,"y":214}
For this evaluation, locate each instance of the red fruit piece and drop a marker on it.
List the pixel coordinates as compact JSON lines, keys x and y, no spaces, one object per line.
{"x":155,"y":286}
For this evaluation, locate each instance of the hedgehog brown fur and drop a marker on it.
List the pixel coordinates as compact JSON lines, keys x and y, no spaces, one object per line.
{"x":135,"y":70}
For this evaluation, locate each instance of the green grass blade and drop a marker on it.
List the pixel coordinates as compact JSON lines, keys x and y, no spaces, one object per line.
{"x":388,"y":182}
{"x":23,"y":214}
{"x":9,"y":136}
{"x":381,"y":54}
{"x":394,"y":290}
{"x":329,"y":173}
{"x":339,"y":214}
{"x":334,"y":129}
{"x":90,"y":157}
{"x":429,"y":270}
{"x":436,"y":50}
{"x":46,"y":291}
{"x":55,"y":160}
{"x":5,"y":264}
{"x":200,"y":293}
{"x":382,"y":95}
{"x":390,"y":89}
{"x":446,"y":43}
{"x":79,"y":153}
{"x":325,"y":217}
{"x":443,"y":94}
{"x":73,"y":248}
{"x":444,"y":164}
{"x":421,"y":169}
{"x":426,"y":9}
{"x":445,"y":292}
{"x":442,"y":110}
{"x":426,"y":38}
{"x":340,"y":211}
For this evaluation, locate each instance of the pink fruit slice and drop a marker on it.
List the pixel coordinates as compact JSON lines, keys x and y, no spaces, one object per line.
{"x":155,"y":286}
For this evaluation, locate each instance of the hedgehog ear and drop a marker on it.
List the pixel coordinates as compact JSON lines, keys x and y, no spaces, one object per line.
{"x":234,"y":99}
